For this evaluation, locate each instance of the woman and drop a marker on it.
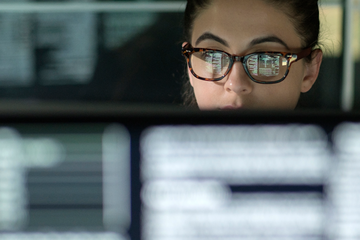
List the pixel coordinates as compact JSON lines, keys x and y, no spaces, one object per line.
{"x":250,"y":54}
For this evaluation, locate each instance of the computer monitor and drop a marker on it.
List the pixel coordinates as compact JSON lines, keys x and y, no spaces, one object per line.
{"x":179,"y":174}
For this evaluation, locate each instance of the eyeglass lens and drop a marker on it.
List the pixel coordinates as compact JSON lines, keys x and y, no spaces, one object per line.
{"x":266,"y":67}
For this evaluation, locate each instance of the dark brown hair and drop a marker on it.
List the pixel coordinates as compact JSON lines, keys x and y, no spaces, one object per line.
{"x":304,"y":14}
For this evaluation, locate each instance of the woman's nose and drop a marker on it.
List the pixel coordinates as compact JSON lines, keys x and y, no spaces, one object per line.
{"x":238,"y":81}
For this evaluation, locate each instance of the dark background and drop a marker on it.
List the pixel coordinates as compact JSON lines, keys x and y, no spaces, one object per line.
{"x":148,"y":68}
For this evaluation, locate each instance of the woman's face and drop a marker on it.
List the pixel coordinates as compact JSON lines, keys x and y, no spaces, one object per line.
{"x":240,"y":27}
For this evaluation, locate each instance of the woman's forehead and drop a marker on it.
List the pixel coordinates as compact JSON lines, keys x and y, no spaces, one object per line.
{"x":240,"y":22}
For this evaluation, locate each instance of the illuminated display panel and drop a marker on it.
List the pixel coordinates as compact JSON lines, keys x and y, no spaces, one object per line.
{"x":250,"y":182}
{"x":65,"y":181}
{"x":293,"y":179}
{"x":219,"y":182}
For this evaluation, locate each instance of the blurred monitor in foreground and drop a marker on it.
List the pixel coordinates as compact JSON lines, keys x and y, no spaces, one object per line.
{"x":64,"y":182}
{"x":180,"y":176}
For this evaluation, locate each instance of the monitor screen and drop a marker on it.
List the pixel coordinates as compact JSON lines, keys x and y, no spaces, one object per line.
{"x":180,"y":175}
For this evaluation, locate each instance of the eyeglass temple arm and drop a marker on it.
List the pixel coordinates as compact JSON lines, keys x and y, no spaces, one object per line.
{"x":304,"y":53}
{"x":186,"y":48}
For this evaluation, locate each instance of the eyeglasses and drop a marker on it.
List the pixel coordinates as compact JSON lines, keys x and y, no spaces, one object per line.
{"x":261,"y":67}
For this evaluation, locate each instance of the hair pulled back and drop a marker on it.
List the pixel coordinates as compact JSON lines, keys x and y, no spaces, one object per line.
{"x":304,"y":14}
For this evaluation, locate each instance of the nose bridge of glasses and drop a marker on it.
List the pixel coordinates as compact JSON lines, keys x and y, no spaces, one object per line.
{"x":238,"y":58}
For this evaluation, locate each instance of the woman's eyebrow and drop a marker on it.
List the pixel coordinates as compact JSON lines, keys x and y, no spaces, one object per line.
{"x":267,"y":39}
{"x":254,"y":42}
{"x":211,"y":36}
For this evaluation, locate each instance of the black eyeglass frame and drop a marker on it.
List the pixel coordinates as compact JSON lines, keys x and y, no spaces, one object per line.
{"x":188,"y":50}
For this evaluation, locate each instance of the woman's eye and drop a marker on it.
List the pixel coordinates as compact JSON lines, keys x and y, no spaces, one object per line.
{"x":215,"y":59}
{"x":212,"y":57}
{"x":207,"y":56}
